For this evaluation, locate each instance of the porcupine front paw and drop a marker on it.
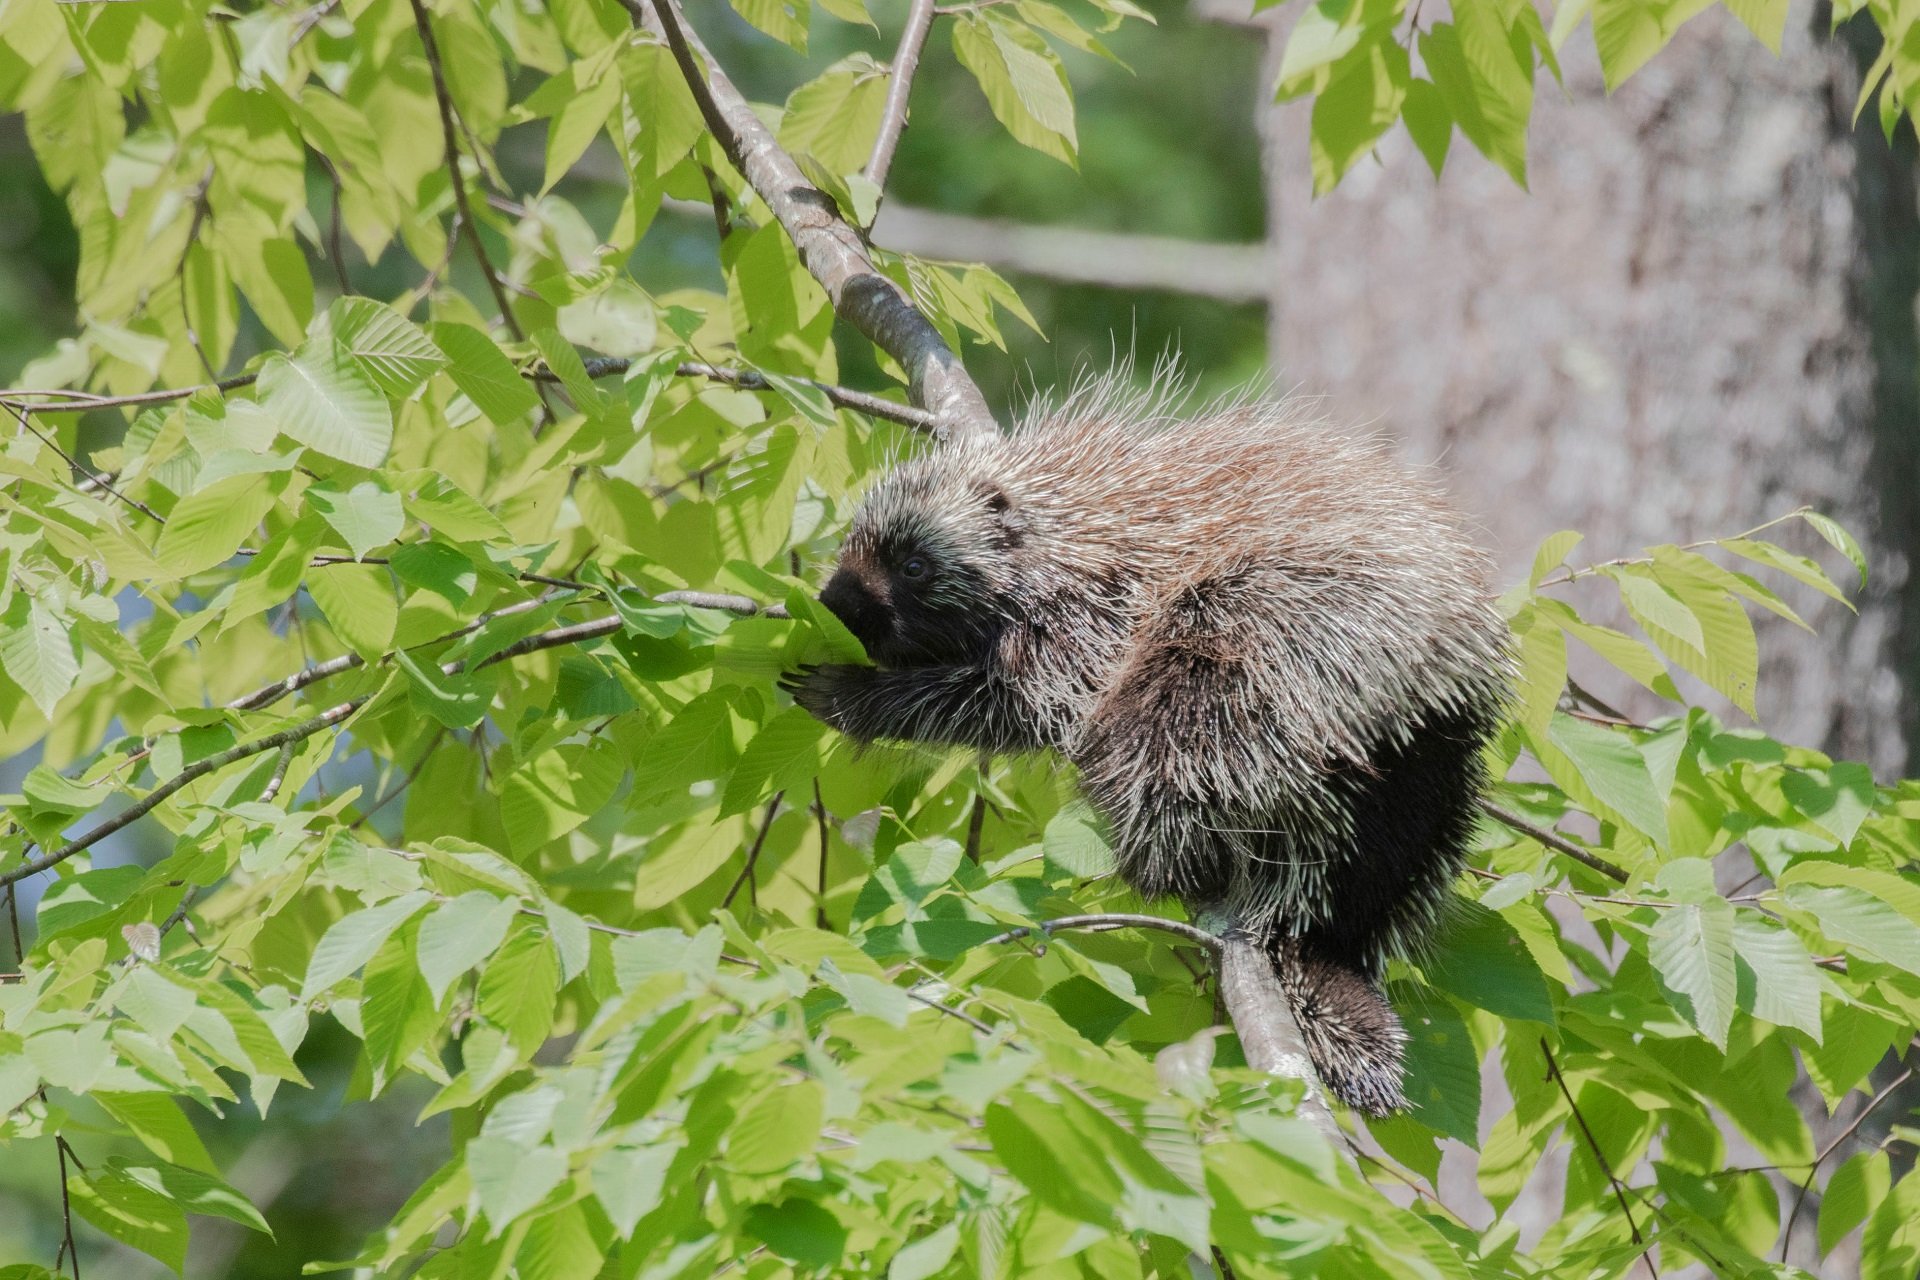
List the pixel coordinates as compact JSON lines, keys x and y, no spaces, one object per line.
{"x":826,"y":692}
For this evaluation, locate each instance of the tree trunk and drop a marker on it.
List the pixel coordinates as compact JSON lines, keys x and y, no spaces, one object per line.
{"x":1698,"y":318}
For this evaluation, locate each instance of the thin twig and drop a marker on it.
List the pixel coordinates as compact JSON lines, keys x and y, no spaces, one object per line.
{"x":393,"y":792}
{"x":201,"y":209}
{"x":179,"y":913}
{"x":68,"y":1248}
{"x":69,"y":401}
{"x":1619,"y":1189}
{"x":450,"y":138}
{"x":1853,"y":1126}
{"x":335,"y":251}
{"x":1106,"y":921}
{"x":982,"y":1027}
{"x":820,"y":894}
{"x":976,"y":821}
{"x":1584,"y":571}
{"x":271,"y":791}
{"x":13,"y":915}
{"x":1554,"y":841}
{"x":199,"y":769}
{"x":893,"y":116}
{"x":753,"y":855}
{"x":93,"y":478}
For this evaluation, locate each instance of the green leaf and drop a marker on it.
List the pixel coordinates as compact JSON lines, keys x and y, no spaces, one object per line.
{"x":324,"y":399}
{"x":1782,"y":985}
{"x":1837,"y":802}
{"x":781,"y":757}
{"x":484,"y":375}
{"x":1851,"y":1195}
{"x":1767,"y":19}
{"x":351,"y":941}
{"x":628,"y":1181}
{"x":1839,"y":539}
{"x":1428,"y":122}
{"x":927,"y":1256}
{"x":1691,"y":948}
{"x":1801,"y":569}
{"x":359,"y":605}
{"x":800,"y":1231}
{"x":1443,"y":1068}
{"x":509,"y":1179}
{"x":1072,"y":843}
{"x":366,"y":516}
{"x":38,"y":652}
{"x":1023,"y":80}
{"x":1608,"y":770}
{"x":157,"y":1121}
{"x":1854,"y":918}
{"x":394,"y":351}
{"x":556,"y":791}
{"x":459,"y":935}
{"x":1354,"y":110}
{"x":132,"y":1213}
{"x":1483,"y":961}
{"x":1627,"y":33}
{"x":436,"y":567}
{"x":777,"y":1128}
{"x":516,"y":990}
{"x":1553,"y":553}
{"x":1485,"y":88}
{"x":834,"y":117}
{"x":207,"y":527}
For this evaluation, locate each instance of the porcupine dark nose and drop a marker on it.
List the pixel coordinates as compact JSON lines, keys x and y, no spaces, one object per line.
{"x":854,"y":603}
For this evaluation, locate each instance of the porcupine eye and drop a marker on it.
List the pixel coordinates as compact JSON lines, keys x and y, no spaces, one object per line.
{"x":915,"y":568}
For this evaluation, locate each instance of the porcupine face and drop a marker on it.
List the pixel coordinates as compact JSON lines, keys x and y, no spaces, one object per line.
{"x":915,"y":580}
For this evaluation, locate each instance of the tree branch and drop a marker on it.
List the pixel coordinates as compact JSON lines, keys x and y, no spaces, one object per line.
{"x":753,"y":856}
{"x":1853,"y":1127}
{"x":830,"y":249}
{"x":198,"y":769}
{"x":1263,"y":1017}
{"x":893,"y":116}
{"x":1558,"y":843}
{"x":450,"y":137}
{"x":1599,"y":1157}
{"x":1108,"y":920}
{"x":552,"y":639}
{"x":31,"y":399}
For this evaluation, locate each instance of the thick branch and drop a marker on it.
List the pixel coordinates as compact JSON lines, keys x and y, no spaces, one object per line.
{"x":893,"y":116}
{"x":831,"y":250}
{"x":450,"y":138}
{"x":1263,"y":1017}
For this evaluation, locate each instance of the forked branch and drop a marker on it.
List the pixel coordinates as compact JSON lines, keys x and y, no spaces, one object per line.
{"x":830,"y":249}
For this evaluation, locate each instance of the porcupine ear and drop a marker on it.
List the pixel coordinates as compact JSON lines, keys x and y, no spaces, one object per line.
{"x":999,"y":505}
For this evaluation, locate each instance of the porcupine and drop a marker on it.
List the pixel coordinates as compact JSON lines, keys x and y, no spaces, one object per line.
{"x":1265,"y":644}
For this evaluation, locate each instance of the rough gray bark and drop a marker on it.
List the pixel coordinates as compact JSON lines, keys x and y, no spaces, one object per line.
{"x":1699,"y":317}
{"x":1671,"y":336}
{"x":832,"y":251}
